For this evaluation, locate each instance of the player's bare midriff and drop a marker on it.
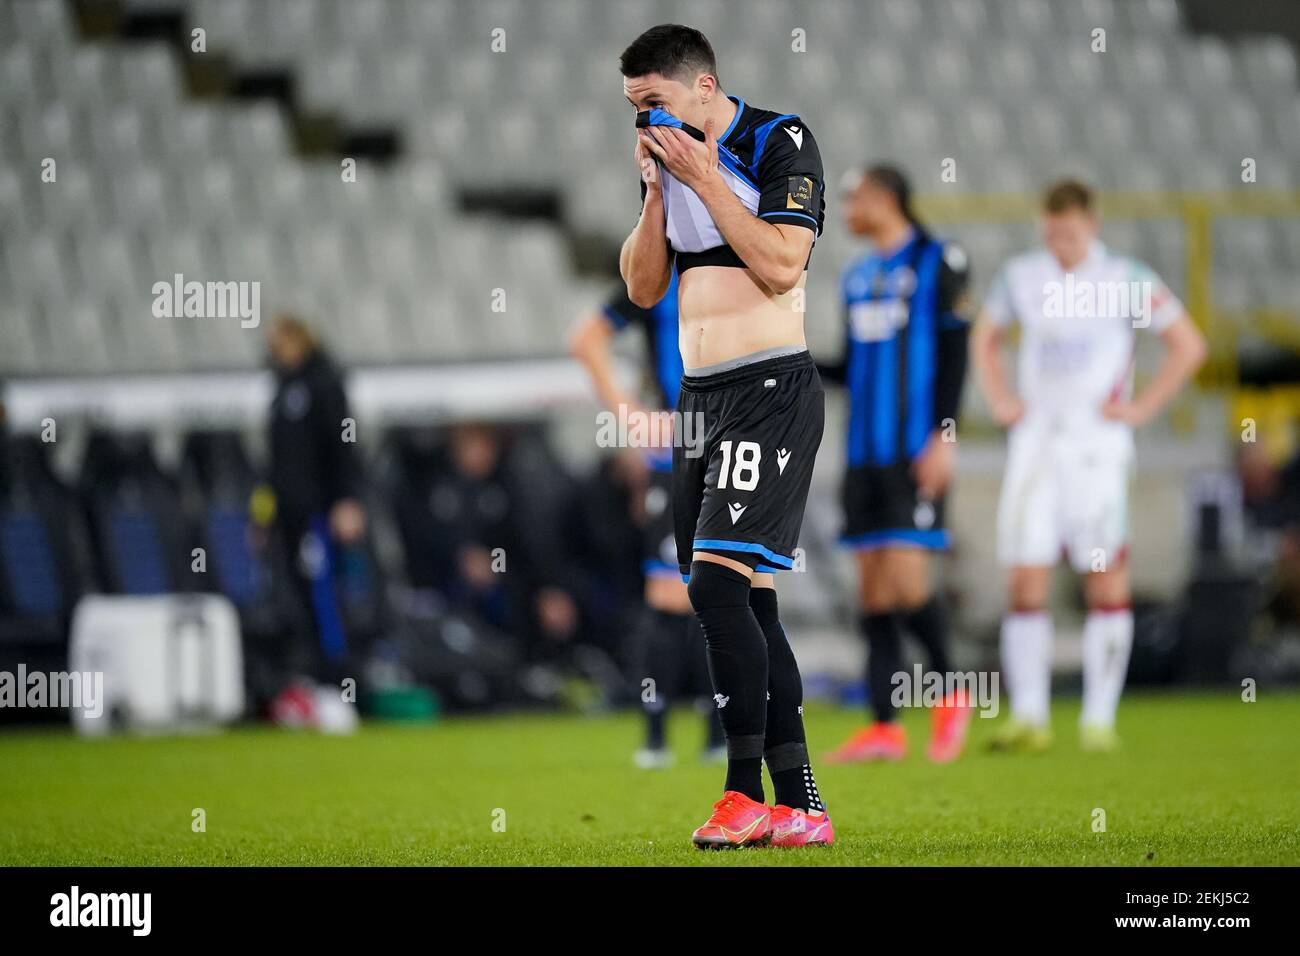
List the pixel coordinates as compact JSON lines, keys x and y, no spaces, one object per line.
{"x":726,"y":313}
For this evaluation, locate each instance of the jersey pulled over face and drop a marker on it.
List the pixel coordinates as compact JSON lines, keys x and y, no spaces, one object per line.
{"x":770,"y":161}
{"x":1077,"y":339}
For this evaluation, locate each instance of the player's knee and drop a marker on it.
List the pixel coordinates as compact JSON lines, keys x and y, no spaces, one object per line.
{"x":879,"y":602}
{"x":911,"y":594}
{"x":1107,"y":590}
{"x":714,"y":586}
{"x":878,"y":596}
{"x":1028,"y":591}
{"x":1027,"y":605}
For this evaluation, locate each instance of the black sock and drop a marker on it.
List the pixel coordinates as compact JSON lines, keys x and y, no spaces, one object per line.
{"x":715,"y":735}
{"x":927,"y":624}
{"x":785,"y":747}
{"x":659,"y":640}
{"x":697,"y":670}
{"x":884,"y":659}
{"x":656,"y":737}
{"x":737,"y":654}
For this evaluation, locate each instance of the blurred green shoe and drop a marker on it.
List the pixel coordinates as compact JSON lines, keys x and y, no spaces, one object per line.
{"x":1098,"y":738}
{"x":1016,"y":736}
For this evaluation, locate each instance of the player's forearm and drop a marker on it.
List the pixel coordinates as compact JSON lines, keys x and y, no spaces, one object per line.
{"x":644,"y":261}
{"x":604,"y":379}
{"x":990,"y":374}
{"x":765,"y":249}
{"x":590,"y":345}
{"x":1185,"y":352}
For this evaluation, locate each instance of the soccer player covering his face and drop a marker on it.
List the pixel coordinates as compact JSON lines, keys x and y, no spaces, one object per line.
{"x":732,"y":198}
{"x":1070,"y":448}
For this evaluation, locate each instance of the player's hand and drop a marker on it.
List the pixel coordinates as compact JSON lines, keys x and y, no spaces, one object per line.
{"x":932,"y":469}
{"x":557,"y":613}
{"x":691,"y":161}
{"x":347,"y":520}
{"x":475,"y":563}
{"x":1008,"y":411}
{"x":1130,"y":413}
{"x":646,"y":162}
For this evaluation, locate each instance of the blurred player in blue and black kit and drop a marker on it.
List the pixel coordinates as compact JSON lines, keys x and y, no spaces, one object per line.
{"x":732,"y":203}
{"x":904,"y":365}
{"x":669,"y":645}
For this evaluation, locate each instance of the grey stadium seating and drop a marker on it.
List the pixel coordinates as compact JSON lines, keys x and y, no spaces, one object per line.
{"x":152,"y":182}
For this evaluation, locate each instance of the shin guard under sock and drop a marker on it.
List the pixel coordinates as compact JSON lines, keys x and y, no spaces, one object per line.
{"x":737,"y":654}
{"x":884,"y":660}
{"x":785,"y":748}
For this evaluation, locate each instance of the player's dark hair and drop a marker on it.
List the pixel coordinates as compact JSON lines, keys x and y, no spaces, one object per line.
{"x":671,"y":50}
{"x":1066,"y":194}
{"x":895,"y":182}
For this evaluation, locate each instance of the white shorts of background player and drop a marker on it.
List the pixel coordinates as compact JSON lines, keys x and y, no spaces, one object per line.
{"x":1065,"y":493}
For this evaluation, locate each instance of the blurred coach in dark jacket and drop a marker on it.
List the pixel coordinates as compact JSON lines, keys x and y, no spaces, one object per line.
{"x":316,"y":480}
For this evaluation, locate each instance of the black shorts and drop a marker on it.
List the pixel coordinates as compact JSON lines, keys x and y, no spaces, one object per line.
{"x":658,"y":541}
{"x":883,"y":509}
{"x":742,"y":467}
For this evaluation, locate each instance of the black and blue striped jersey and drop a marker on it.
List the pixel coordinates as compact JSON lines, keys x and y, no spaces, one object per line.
{"x":659,"y":323}
{"x":771,"y":163}
{"x":905,"y":347}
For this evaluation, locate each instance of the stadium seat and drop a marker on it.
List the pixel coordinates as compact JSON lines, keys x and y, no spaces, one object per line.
{"x":161,"y":181}
{"x":142,"y":542}
{"x":43,"y":564}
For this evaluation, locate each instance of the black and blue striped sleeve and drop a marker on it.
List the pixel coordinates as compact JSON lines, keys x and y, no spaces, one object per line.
{"x":954,"y":325}
{"x":790,"y":176}
{"x":620,"y":312}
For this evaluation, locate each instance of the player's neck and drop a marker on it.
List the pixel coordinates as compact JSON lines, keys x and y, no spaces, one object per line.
{"x":891,"y":236}
{"x":1077,"y":261}
{"x":722,"y":112}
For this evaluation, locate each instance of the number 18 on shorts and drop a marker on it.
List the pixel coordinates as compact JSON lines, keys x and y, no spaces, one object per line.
{"x":739,"y":490}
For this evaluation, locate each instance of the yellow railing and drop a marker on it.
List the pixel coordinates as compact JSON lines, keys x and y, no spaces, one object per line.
{"x":1273,"y":414}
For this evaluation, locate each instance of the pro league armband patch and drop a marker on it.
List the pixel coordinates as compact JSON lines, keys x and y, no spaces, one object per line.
{"x":801,"y":193}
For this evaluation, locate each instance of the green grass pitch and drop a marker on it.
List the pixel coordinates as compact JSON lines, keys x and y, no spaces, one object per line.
{"x":1202,"y":779}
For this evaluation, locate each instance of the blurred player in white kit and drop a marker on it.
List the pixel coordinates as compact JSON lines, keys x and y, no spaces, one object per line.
{"x":1070,"y":421}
